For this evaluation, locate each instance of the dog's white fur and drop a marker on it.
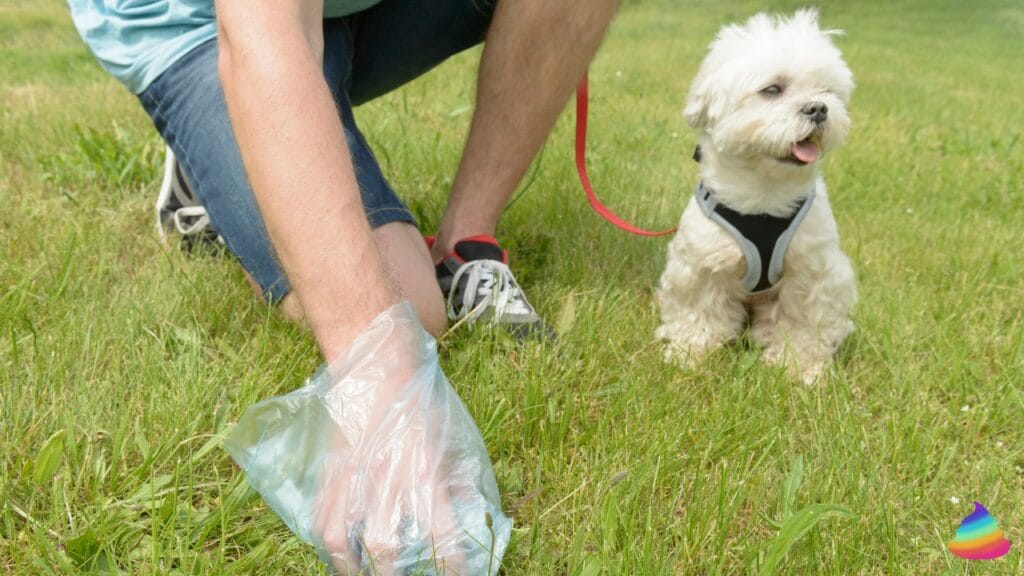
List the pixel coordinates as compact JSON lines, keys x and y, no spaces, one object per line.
{"x":745,"y":137}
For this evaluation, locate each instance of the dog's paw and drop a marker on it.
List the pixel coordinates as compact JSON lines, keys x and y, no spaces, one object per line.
{"x":808,"y":368}
{"x":684,"y":355}
{"x":684,"y":345}
{"x":810,"y":374}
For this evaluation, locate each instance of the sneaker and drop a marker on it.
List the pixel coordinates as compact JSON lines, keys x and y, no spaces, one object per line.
{"x":478,"y":286}
{"x":178,"y":208}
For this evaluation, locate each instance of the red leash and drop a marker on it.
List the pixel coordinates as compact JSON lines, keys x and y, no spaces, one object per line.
{"x":581,"y":167}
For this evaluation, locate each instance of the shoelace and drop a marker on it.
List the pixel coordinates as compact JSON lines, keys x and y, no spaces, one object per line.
{"x":494,"y":282}
{"x":185,"y":227}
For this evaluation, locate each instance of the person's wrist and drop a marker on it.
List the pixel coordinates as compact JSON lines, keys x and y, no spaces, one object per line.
{"x":335,"y":331}
{"x":392,"y":341}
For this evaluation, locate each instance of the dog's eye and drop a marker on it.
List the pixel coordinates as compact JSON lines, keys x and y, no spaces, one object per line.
{"x":771,"y":90}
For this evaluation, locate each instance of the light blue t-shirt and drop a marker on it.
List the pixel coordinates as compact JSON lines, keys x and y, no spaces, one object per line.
{"x":136,"y":40}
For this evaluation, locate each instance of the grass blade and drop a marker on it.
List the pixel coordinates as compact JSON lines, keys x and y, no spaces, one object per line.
{"x":791,"y":486}
{"x":795,"y":527}
{"x":49,"y":458}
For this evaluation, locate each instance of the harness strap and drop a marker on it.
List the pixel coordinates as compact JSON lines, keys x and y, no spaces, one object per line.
{"x":762,"y":237}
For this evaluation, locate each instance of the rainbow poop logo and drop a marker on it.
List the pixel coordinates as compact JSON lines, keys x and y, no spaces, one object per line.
{"x":979,"y":537}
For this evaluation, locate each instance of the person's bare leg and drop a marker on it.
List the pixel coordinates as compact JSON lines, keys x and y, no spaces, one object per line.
{"x":407,"y":262}
{"x":534,"y":55}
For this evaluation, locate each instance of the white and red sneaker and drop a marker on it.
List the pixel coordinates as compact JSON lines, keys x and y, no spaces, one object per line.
{"x":477,"y":285}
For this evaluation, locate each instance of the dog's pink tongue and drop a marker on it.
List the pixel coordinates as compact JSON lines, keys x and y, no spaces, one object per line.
{"x":805,"y":151}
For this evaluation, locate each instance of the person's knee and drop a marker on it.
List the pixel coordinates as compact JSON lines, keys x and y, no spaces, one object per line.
{"x":410,"y":269}
{"x":432,"y":315}
{"x":291,"y":309}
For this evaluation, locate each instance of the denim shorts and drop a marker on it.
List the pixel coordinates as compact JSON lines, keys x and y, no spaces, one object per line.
{"x":366,"y":55}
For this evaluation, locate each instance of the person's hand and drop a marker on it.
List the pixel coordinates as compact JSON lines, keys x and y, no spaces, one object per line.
{"x":376,"y":461}
{"x":386,"y":498}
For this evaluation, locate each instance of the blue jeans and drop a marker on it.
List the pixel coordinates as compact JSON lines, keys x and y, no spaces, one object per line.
{"x":365,"y":55}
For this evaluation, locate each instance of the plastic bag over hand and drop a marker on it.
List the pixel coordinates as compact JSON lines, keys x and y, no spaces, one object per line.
{"x":377,"y":463}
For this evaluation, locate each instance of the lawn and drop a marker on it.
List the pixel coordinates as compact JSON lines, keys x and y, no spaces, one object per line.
{"x":123,"y":362}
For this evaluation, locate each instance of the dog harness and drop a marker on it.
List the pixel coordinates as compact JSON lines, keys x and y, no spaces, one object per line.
{"x":762,"y":238}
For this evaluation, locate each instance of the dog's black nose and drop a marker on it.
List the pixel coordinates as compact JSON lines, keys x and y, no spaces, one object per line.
{"x":816,"y":111}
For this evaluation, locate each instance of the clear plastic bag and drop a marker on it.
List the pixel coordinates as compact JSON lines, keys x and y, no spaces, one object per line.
{"x":377,"y":463}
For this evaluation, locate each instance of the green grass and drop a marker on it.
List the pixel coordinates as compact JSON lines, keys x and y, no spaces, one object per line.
{"x":122,"y":363}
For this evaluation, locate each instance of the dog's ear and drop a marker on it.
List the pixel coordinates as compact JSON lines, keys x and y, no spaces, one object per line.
{"x":702,"y":106}
{"x":705,"y":104}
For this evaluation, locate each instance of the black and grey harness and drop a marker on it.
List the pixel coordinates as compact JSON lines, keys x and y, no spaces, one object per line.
{"x":762,"y":237}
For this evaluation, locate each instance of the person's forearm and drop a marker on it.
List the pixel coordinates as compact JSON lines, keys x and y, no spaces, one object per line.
{"x":294,"y":151}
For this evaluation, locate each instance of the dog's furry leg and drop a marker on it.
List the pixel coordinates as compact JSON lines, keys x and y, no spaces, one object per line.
{"x":697,"y":316}
{"x":803,"y":327}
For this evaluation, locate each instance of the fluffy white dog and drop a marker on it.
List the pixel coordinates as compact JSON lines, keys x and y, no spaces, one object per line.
{"x":758,"y":243}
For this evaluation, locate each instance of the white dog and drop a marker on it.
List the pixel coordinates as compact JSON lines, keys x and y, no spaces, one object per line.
{"x":758,"y":242}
